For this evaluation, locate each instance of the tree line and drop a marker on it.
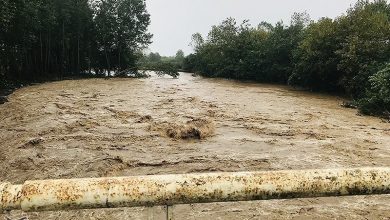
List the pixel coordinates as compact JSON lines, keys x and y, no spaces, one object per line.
{"x":48,"y":39}
{"x":163,"y":65}
{"x":349,"y":54}
{"x":153,"y":58}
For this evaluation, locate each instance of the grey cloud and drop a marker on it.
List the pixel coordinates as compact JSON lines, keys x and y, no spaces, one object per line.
{"x":174,"y":21}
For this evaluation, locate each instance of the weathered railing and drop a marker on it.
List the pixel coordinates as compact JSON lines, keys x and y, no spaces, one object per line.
{"x":191,"y":188}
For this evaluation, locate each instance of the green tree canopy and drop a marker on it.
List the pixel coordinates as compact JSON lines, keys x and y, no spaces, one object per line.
{"x":43,"y":39}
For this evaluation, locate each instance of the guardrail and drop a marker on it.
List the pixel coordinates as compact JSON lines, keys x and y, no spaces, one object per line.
{"x":168,"y":190}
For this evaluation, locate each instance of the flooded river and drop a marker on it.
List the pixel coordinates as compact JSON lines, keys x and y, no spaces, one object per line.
{"x":121,"y":127}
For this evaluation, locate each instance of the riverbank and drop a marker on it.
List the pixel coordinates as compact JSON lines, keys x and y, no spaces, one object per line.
{"x":7,"y":87}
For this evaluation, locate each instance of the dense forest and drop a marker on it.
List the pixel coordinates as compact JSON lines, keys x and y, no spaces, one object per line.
{"x":347,"y":55}
{"x":53,"y":39}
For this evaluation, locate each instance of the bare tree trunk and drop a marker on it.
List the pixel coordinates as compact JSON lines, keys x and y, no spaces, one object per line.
{"x":108,"y":62}
{"x":63,"y":48}
{"x":42,"y":63}
{"x":78,"y":54}
{"x":48,"y":53}
{"x":119,"y":59}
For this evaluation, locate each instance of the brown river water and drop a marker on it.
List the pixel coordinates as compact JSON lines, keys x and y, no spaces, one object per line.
{"x":124,"y":127}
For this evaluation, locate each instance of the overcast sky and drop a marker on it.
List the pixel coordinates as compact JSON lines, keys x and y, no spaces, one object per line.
{"x":174,"y":21}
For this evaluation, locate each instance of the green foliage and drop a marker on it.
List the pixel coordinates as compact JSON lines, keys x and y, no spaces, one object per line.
{"x":366,"y":33}
{"x":153,"y":58}
{"x":377,"y":100}
{"x":163,"y":65}
{"x":341,"y":54}
{"x":242,"y":52}
{"x":316,"y":61}
{"x":121,"y":27}
{"x":42,"y":39}
{"x":166,"y":68}
{"x":179,"y":58}
{"x":132,"y":73}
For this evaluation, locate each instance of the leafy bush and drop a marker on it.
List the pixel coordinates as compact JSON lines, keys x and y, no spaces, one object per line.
{"x":132,"y":73}
{"x":377,"y":100}
{"x":315,"y":58}
{"x":163,"y":65}
{"x":166,"y":68}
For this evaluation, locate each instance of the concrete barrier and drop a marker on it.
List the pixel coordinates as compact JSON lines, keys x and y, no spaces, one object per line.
{"x":169,"y":190}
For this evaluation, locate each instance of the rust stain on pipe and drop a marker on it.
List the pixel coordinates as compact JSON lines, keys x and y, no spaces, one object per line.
{"x":191,"y":188}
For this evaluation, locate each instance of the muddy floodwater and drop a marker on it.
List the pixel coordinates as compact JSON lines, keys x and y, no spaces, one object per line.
{"x":124,"y":127}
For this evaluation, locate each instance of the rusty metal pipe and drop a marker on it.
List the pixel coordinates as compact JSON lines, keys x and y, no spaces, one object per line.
{"x":191,"y":188}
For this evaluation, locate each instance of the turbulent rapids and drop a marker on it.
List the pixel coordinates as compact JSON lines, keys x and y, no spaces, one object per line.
{"x":127,"y":127}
